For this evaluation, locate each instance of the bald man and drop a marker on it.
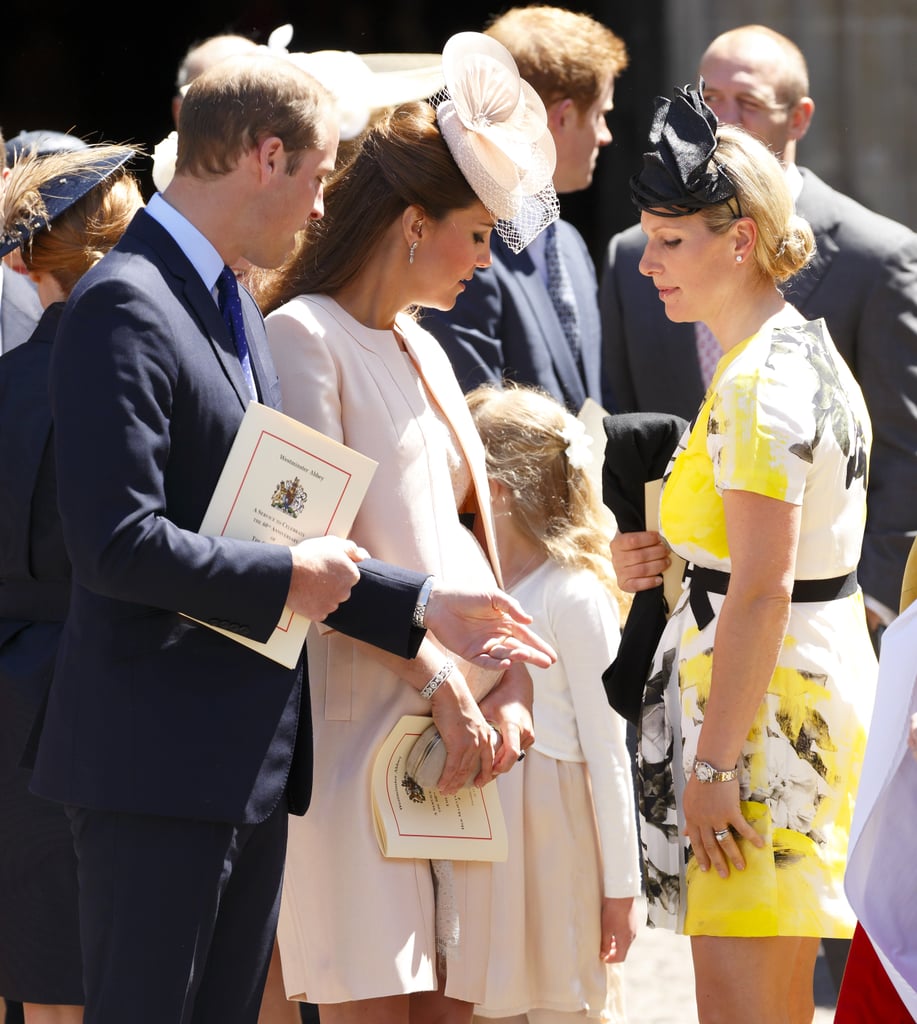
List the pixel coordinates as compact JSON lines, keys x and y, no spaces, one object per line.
{"x":863,"y":281}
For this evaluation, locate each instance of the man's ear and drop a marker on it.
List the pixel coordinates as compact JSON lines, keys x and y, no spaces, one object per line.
{"x":560,"y":114}
{"x":800,"y":117}
{"x":271,"y":156}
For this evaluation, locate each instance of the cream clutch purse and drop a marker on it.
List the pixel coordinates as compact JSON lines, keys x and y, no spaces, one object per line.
{"x":427,"y":758}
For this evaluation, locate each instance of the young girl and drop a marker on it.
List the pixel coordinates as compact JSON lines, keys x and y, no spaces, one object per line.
{"x":564,"y":902}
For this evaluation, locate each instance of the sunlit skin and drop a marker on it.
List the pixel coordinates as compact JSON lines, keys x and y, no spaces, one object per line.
{"x":294,"y":200}
{"x":448,"y":254}
{"x":693,"y":269}
{"x":742,"y":73}
{"x":254,"y":211}
{"x":578,"y":137}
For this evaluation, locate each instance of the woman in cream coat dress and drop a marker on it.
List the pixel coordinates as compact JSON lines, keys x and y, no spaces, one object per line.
{"x":403,"y":227}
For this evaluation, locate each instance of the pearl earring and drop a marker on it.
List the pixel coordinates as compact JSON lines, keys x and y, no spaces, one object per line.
{"x":738,"y":259}
{"x":411,"y":252}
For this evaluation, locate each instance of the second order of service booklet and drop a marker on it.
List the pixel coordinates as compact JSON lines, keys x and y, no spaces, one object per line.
{"x":284,"y":482}
{"x":411,"y":821}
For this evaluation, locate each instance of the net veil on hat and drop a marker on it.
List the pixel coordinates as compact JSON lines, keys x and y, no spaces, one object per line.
{"x":496,"y":128}
{"x":680,"y":174}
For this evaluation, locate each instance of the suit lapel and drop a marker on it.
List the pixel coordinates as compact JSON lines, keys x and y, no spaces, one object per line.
{"x":200,"y":303}
{"x":811,"y":206}
{"x":440,"y":383}
{"x":526,"y":279}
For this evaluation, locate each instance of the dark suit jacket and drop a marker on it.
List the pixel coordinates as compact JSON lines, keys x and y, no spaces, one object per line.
{"x":34,"y":568}
{"x":504,"y":325}
{"x":148,"y":712}
{"x":20,"y":308}
{"x":863,"y":281}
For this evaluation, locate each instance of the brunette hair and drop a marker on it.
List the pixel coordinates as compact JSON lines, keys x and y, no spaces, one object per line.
{"x":401,"y":161}
{"x":236,"y":104}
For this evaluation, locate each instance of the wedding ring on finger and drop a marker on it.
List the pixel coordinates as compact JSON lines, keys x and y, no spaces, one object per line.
{"x":722,"y":833}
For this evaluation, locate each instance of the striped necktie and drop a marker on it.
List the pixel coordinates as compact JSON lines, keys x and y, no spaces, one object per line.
{"x":708,"y":351}
{"x":231,"y":308}
{"x":561,"y":291}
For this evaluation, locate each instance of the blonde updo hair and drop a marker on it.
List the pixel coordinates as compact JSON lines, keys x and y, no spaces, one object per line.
{"x":553,"y":502}
{"x":402,"y":160}
{"x":785,"y":242}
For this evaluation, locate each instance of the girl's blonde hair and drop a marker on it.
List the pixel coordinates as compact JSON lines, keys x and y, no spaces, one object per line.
{"x":554,"y":503}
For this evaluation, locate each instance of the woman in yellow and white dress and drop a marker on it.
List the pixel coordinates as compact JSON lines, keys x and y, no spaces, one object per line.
{"x":756,"y":706}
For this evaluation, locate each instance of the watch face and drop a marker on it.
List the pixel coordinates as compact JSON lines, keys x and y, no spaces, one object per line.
{"x":703,"y":771}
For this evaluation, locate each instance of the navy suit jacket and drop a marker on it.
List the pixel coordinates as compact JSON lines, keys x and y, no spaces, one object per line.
{"x":20,"y":308}
{"x":504,"y":325}
{"x":149,"y":712}
{"x":863,"y":281}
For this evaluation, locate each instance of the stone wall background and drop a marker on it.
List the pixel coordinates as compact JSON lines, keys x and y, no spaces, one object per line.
{"x":862,"y":58}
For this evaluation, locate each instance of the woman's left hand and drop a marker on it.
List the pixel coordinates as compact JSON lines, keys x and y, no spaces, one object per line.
{"x":711,"y":807}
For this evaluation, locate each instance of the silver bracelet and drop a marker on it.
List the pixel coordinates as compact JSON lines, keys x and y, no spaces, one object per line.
{"x":437,"y":681}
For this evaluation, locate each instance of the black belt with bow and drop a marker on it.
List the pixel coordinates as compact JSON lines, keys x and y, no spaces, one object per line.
{"x":703,"y":581}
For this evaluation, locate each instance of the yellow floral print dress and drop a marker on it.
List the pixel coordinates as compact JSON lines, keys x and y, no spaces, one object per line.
{"x":784,"y":418}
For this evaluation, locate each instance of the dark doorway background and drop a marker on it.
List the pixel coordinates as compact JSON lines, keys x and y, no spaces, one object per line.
{"x":91,"y":70}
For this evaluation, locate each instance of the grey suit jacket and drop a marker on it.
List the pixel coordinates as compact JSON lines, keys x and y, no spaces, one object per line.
{"x":863,"y":281}
{"x":20,"y":309}
{"x":504,"y":325}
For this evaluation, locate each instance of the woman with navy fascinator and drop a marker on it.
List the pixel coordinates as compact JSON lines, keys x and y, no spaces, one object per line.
{"x":61,"y":211}
{"x":754,"y":716}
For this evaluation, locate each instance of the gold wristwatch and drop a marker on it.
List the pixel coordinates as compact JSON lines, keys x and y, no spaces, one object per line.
{"x":704,"y":772}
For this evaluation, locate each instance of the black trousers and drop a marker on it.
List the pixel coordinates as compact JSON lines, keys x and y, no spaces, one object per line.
{"x":177,"y":916}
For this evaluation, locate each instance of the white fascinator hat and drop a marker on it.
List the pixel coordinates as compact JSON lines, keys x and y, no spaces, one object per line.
{"x":365,"y":82}
{"x":360,"y":83}
{"x":496,"y":128}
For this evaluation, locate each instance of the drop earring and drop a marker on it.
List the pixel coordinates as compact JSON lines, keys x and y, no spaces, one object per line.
{"x":411,"y":252}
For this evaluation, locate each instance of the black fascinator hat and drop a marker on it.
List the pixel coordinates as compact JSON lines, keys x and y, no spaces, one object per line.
{"x":680,"y":174}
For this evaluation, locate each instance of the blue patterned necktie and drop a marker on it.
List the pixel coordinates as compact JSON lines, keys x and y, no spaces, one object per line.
{"x":231,"y":308}
{"x":561,"y":290}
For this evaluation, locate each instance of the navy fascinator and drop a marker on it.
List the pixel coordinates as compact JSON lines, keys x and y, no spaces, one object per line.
{"x":680,"y":174}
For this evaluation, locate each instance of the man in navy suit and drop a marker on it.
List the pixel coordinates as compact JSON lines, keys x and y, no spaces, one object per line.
{"x":863,"y":281}
{"x":178,"y":752}
{"x":505,"y":324}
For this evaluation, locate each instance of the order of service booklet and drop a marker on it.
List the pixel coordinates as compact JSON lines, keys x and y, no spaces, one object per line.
{"x":411,"y":821}
{"x":284,"y":482}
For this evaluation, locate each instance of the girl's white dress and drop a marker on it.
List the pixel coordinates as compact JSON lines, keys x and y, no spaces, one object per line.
{"x":570,"y":816}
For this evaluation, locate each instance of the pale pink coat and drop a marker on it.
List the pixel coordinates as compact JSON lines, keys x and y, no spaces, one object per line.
{"x":353,"y":924}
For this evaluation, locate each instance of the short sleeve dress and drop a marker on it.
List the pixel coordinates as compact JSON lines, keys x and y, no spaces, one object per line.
{"x":785,"y":418}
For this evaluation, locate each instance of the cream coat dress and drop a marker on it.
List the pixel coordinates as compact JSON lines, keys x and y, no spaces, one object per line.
{"x":354,"y":925}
